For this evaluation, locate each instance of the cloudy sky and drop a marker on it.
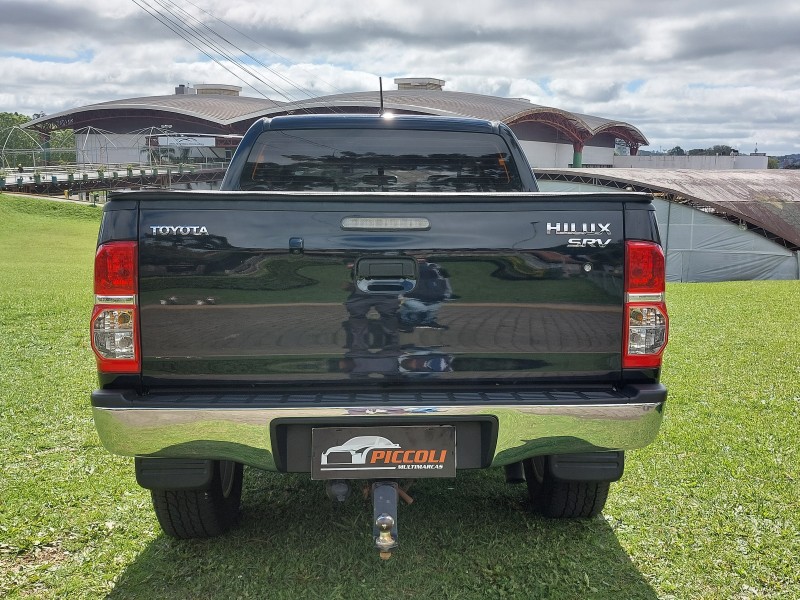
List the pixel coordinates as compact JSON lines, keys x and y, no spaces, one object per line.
{"x":686,"y":73}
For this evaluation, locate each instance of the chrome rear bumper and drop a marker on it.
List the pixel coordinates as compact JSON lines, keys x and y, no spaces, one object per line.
{"x":241,"y":427}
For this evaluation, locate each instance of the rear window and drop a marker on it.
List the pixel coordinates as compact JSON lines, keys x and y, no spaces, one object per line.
{"x":377,"y":160}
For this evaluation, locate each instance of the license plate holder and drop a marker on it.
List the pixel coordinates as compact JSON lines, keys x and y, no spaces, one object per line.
{"x":383,"y":452}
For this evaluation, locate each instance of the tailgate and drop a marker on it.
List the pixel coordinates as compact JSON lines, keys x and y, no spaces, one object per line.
{"x":282,"y":289}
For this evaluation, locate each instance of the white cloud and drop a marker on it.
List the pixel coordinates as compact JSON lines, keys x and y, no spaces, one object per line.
{"x":685,"y":73}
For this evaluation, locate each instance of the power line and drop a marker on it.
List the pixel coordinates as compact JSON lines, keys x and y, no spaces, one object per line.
{"x":210,"y":42}
{"x":268,"y":49}
{"x":177,"y":30}
{"x":202,"y":44}
{"x":214,"y":45}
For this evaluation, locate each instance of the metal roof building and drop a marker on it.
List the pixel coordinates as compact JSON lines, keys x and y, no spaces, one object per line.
{"x":550,"y":136}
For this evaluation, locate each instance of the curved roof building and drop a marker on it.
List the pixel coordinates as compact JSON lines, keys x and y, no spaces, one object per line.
{"x":552,"y":137}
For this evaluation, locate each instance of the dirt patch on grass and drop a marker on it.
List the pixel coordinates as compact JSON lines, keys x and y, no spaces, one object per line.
{"x":17,"y":568}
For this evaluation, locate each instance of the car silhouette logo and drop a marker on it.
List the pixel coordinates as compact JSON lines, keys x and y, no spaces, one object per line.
{"x":355,"y":450}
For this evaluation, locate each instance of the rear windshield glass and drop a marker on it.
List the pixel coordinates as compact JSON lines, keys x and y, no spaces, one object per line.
{"x":374,"y":160}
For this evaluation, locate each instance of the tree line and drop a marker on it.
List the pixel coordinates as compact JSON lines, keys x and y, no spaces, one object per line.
{"x":718,"y":150}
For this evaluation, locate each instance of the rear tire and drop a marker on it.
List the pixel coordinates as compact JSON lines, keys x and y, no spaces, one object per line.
{"x":187,"y":514}
{"x":563,"y":499}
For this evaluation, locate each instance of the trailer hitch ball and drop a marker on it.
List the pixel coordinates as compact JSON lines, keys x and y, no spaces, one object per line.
{"x":385,"y":542}
{"x":384,"y":513}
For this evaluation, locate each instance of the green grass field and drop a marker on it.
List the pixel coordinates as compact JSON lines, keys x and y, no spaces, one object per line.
{"x":710,"y":510}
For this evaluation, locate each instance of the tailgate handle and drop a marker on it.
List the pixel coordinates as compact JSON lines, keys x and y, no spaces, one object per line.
{"x":385,"y":275}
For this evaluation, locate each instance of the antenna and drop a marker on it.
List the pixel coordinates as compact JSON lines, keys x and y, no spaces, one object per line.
{"x":380,"y":85}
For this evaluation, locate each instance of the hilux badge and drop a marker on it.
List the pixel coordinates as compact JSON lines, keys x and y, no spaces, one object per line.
{"x":582,"y":229}
{"x":576,"y":229}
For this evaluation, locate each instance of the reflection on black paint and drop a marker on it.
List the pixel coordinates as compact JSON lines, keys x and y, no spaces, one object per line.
{"x":374,"y":344}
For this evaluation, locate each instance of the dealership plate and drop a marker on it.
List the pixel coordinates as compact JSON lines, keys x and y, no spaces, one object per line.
{"x":396,"y":452}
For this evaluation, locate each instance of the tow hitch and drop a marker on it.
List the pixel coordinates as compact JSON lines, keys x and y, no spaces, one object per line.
{"x":381,"y":457}
{"x":385,"y":496}
{"x":384,"y":510}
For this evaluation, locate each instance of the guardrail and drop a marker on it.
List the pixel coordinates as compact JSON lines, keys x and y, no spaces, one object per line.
{"x":55,"y":178}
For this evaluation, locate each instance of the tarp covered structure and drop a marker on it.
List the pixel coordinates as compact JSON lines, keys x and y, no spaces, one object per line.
{"x":714,"y":225}
{"x":703,"y":247}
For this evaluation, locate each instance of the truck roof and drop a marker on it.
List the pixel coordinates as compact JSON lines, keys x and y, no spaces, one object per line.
{"x":386,"y":121}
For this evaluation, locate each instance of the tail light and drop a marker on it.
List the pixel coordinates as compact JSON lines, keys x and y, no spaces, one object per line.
{"x":646,"y":321}
{"x":115,"y":319}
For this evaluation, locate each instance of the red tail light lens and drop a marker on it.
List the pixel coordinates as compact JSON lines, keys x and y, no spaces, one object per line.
{"x":115,"y":319}
{"x":645,"y":270}
{"x":646,"y":320}
{"x":115,"y":269}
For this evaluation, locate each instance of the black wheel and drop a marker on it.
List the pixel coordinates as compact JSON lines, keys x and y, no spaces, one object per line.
{"x":188,"y":514}
{"x":563,"y":499}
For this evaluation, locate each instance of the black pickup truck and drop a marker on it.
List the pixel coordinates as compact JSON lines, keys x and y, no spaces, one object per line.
{"x":376,"y":298}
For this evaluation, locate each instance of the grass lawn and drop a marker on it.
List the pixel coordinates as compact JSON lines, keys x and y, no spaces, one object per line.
{"x":710,"y":510}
